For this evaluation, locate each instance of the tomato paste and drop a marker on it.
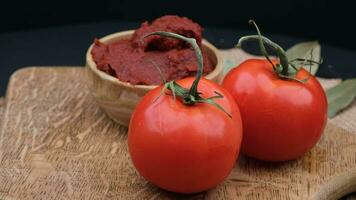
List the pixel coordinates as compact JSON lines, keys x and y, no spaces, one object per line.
{"x":148,"y":61}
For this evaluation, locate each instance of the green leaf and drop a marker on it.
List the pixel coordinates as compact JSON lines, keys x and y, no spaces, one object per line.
{"x":340,"y":96}
{"x":228,"y":65}
{"x":303,"y":50}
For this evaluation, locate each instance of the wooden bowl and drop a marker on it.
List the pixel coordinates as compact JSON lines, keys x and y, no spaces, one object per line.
{"x":119,"y":99}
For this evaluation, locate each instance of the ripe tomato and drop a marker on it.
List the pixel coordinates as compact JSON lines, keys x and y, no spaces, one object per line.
{"x":282,"y":118}
{"x":185,"y":148}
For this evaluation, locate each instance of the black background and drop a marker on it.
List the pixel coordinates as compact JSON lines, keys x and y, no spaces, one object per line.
{"x":58,"y":32}
{"x":326,"y":20}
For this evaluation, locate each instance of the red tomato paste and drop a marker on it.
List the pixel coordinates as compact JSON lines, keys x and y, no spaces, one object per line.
{"x":140,"y":61}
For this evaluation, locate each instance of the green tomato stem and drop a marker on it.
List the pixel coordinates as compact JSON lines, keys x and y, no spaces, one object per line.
{"x":198,"y":53}
{"x":189,"y":96}
{"x":278,"y":49}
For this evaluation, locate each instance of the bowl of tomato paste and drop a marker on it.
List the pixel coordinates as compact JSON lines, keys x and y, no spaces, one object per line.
{"x":122,"y":67}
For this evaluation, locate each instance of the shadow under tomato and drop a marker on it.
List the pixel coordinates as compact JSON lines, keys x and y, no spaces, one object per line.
{"x":253,"y":162}
{"x":165,"y":194}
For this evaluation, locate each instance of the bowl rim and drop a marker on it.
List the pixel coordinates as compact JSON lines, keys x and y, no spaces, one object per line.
{"x":92,"y":65}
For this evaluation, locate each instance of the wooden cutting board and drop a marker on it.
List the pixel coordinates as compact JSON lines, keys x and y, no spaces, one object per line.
{"x":57,"y":144}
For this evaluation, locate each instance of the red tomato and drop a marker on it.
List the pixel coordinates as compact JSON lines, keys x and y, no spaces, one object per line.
{"x":182,"y":148}
{"x":282,"y":119}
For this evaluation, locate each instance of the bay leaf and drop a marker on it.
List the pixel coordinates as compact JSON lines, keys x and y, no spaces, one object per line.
{"x":228,"y":65}
{"x":303,"y":50}
{"x":340,"y":96}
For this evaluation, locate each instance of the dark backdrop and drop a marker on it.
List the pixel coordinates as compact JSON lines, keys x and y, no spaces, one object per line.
{"x":58,"y":32}
{"x":329,"y":21}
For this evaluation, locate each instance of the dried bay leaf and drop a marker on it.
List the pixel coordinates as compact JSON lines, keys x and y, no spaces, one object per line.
{"x":340,"y":96}
{"x":303,"y":50}
{"x":228,"y":65}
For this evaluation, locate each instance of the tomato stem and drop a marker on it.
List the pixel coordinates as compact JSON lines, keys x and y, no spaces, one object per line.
{"x":198,"y":53}
{"x":189,"y":96}
{"x":285,"y":69}
{"x":281,"y":54}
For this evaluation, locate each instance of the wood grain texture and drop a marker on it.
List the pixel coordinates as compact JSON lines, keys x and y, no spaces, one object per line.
{"x":57,"y":144}
{"x":2,"y":108}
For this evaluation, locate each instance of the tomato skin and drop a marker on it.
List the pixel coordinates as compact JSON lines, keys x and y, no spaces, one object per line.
{"x":185,"y":149}
{"x":282,"y":119}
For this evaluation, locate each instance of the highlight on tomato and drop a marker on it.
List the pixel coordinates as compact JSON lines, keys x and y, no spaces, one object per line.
{"x":185,"y":135}
{"x":283,"y":107}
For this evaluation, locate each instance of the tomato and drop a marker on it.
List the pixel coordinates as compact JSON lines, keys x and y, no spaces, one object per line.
{"x":183,"y":148}
{"x":282,"y":118}
{"x":283,"y":106}
{"x":188,"y":140}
